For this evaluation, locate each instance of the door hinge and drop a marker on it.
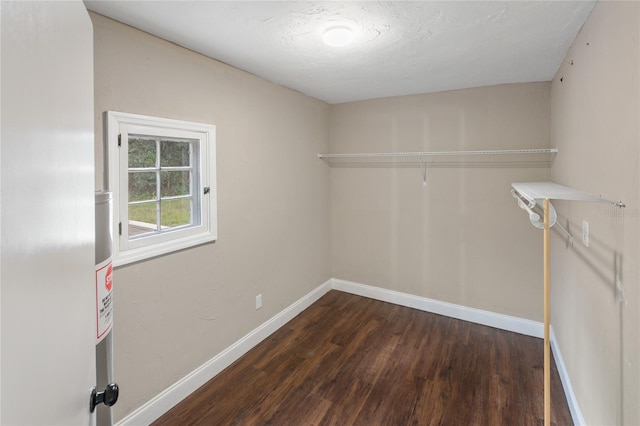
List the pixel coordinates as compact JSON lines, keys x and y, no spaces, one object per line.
{"x":119,"y":228}
{"x":119,"y":139}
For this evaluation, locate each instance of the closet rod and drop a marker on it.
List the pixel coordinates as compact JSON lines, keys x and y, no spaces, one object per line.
{"x":442,"y":153}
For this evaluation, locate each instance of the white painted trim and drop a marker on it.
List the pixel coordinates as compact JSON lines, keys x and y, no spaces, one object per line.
{"x":478,"y":316}
{"x":118,"y":126}
{"x":175,"y":393}
{"x":572,"y":401}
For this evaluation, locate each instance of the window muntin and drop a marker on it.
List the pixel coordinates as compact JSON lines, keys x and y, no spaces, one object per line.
{"x":162,"y":173}
{"x":163,"y":194}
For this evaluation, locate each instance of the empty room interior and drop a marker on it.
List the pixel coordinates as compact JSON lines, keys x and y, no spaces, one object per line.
{"x":451,"y":191}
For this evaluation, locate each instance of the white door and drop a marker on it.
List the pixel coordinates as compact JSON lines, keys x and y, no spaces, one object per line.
{"x":47,"y":363}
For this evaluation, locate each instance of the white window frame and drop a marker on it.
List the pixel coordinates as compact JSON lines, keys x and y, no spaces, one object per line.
{"x":118,"y":127}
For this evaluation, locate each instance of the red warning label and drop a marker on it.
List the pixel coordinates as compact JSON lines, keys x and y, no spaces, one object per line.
{"x":104,"y":302}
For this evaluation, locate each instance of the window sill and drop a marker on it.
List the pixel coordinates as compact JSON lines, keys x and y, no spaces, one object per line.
{"x":149,"y":252}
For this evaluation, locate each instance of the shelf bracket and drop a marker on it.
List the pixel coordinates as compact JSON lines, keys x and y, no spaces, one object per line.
{"x":423,"y":166}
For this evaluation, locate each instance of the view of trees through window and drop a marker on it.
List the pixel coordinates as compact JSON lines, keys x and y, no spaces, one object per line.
{"x":160,"y":174}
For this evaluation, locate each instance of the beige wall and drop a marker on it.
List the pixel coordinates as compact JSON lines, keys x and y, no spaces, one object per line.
{"x":595,"y":124}
{"x":175,"y":312}
{"x":461,"y":239}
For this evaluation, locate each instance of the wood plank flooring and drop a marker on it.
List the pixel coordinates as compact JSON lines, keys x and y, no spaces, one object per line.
{"x":350,"y":360}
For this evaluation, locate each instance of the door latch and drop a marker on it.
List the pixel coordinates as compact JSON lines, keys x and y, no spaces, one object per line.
{"x":108,"y":397}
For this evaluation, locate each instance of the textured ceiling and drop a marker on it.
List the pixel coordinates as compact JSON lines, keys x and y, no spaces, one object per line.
{"x":400,"y":47}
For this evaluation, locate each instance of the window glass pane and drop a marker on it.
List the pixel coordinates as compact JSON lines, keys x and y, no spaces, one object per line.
{"x":142,"y":218}
{"x":175,"y":183}
{"x":174,"y":153}
{"x":142,"y":186}
{"x":142,"y":152}
{"x":175,"y":212}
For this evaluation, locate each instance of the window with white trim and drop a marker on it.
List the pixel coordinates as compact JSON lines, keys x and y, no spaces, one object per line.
{"x":162,"y":175}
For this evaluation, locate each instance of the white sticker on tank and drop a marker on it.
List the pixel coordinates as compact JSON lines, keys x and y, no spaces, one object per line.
{"x":104,"y":302}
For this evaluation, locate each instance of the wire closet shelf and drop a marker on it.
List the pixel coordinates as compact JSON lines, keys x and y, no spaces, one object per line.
{"x":536,"y":157}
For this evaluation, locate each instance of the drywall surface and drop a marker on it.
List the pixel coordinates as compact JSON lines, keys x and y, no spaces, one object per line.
{"x":595,"y":119}
{"x":175,"y":312}
{"x":462,"y":238}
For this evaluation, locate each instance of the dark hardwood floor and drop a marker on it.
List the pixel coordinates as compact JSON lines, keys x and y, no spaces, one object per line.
{"x":350,"y":360}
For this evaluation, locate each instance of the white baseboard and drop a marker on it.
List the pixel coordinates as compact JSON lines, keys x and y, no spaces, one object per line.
{"x":175,"y":393}
{"x":168,"y":398}
{"x":478,"y":316}
{"x":572,"y":401}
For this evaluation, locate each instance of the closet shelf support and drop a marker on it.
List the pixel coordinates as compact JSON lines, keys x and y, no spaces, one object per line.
{"x":530,"y":195}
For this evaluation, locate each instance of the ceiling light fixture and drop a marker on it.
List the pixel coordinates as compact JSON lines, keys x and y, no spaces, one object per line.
{"x":337,"y":36}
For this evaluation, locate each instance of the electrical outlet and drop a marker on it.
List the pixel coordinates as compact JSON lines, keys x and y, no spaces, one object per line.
{"x":585,"y":233}
{"x":258,"y":301}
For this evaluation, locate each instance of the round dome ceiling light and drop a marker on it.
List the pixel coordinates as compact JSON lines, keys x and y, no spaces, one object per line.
{"x":337,"y":36}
